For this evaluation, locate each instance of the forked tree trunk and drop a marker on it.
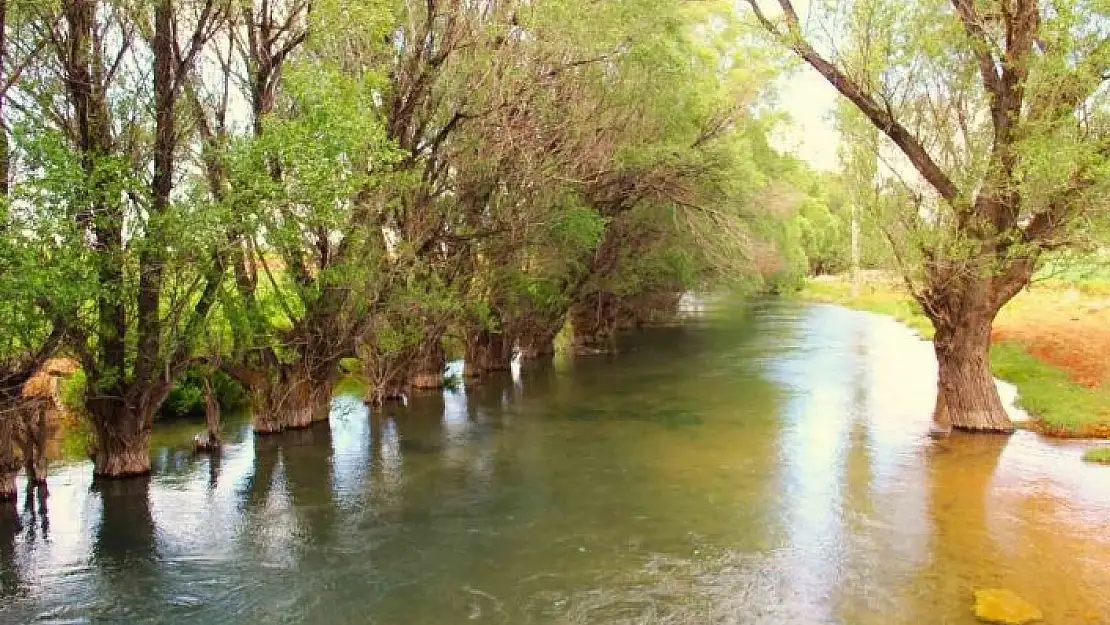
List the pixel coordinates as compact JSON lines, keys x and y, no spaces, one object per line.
{"x":487,"y":351}
{"x":967,"y":398}
{"x":389,"y":385}
{"x":122,"y":429}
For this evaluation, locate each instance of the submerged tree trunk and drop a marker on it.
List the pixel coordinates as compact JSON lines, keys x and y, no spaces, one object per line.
{"x":387,"y":380}
{"x":290,"y":399}
{"x":967,"y":398}
{"x":210,"y":440}
{"x":595,"y":320}
{"x":211,"y":412}
{"x":652,"y":308}
{"x":962,"y":307}
{"x":487,"y":351}
{"x":33,"y":437}
{"x":536,"y":337}
{"x":430,"y":365}
{"x":122,"y":430}
{"x":9,"y":459}
{"x":8,"y":490}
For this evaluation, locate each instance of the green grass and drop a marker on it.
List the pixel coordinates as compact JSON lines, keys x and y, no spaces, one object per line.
{"x":1060,"y":406}
{"x":885,"y":300}
{"x":1046,"y":392}
{"x":1099,"y":455}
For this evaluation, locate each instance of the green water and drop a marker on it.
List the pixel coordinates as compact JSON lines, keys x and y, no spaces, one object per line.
{"x":762,"y":464}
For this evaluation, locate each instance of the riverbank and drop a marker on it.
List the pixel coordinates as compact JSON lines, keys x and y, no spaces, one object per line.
{"x":1050,"y":342}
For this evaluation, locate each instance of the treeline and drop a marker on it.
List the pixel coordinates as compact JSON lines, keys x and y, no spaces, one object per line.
{"x":265,"y":188}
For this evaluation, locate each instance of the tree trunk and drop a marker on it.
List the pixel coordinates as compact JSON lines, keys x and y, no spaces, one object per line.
{"x":387,"y":373}
{"x":211,"y":413}
{"x":594,"y":319}
{"x":292,"y":399}
{"x":122,"y":429}
{"x":210,"y":440}
{"x":389,"y":386}
{"x":34,"y":437}
{"x":9,"y":460}
{"x":967,"y":398}
{"x":430,"y":365}
{"x":8,"y":490}
{"x":487,"y":351}
{"x":536,"y":339}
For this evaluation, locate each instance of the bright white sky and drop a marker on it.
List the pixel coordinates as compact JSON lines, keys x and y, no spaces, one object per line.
{"x":811,"y":134}
{"x":809,"y":101}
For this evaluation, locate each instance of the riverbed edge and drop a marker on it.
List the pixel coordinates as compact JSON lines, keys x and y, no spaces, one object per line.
{"x":1058,"y":407}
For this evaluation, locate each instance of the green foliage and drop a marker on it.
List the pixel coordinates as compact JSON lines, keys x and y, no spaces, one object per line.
{"x":409,"y":172}
{"x":187,"y":397}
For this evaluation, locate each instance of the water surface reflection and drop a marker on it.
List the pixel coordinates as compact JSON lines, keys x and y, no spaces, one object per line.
{"x":764,"y":464}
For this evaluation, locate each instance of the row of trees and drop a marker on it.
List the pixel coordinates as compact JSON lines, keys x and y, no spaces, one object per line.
{"x":268,"y":187}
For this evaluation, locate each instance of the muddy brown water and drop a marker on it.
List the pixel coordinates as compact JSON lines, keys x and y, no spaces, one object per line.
{"x":763,"y":463}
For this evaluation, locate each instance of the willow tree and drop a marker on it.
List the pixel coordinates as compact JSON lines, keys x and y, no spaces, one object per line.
{"x":305,"y":181}
{"x":994,"y":113}
{"x":31,"y":265}
{"x":629,"y":127}
{"x":102,"y":164}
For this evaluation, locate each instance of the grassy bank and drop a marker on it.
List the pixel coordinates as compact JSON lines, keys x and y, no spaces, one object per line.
{"x":1064,"y":401}
{"x":1100,"y":454}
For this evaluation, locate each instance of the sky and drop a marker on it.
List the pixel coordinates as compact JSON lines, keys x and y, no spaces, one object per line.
{"x":809,"y":101}
{"x":811,"y":134}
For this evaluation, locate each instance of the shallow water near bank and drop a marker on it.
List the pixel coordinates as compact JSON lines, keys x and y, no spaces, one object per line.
{"x":765,"y":463}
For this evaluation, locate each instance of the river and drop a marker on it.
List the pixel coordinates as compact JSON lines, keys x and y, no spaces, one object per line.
{"x":766,"y":463}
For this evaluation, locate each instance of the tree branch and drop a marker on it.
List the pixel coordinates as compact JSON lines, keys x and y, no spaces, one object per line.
{"x":879,"y":116}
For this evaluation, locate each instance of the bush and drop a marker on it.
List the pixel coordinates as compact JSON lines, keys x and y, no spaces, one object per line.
{"x":187,"y":397}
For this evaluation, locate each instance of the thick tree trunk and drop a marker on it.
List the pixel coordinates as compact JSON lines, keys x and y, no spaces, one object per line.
{"x":293,"y":399}
{"x":654,"y":308}
{"x":34,"y":436}
{"x":122,"y":429}
{"x":595,"y":319}
{"x":536,"y":338}
{"x":8,"y":490}
{"x":9,"y":460}
{"x":430,"y":365}
{"x":487,"y":351}
{"x":390,"y":386}
{"x":967,"y":398}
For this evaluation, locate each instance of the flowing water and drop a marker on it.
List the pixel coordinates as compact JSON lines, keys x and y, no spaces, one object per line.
{"x":761,"y":464}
